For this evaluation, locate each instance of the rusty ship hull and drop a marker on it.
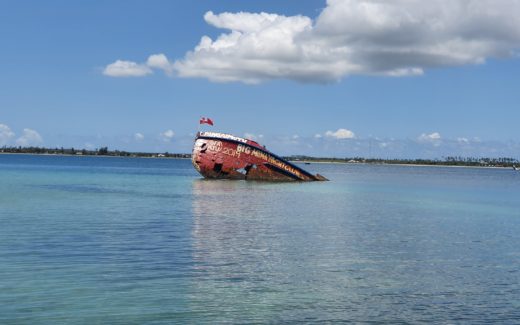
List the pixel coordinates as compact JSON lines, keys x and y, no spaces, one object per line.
{"x":224,"y":156}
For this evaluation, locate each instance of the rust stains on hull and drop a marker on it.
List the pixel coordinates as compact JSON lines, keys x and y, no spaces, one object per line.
{"x":224,"y":156}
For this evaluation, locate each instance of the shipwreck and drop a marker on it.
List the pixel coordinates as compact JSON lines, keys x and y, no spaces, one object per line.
{"x":225,"y":156}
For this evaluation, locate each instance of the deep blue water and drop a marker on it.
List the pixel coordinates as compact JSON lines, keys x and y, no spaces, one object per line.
{"x":132,"y":241}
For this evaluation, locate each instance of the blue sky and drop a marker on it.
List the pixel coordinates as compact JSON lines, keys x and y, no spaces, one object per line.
{"x":338,"y":78}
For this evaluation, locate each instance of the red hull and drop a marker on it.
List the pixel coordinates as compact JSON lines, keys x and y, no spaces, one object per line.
{"x":219,"y":155}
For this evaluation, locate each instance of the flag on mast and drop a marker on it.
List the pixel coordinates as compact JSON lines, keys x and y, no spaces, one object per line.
{"x":205,"y":120}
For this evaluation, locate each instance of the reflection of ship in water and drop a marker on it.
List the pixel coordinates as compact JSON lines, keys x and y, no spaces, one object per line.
{"x":220,"y":155}
{"x":219,"y":217}
{"x":232,"y":244}
{"x":250,"y":254}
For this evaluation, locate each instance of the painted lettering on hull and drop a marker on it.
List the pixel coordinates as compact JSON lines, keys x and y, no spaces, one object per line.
{"x":214,"y":157}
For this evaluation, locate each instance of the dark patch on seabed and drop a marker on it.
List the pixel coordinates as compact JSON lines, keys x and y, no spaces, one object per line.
{"x":82,"y":188}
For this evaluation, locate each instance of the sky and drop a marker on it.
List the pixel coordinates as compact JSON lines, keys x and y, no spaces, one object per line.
{"x":340,"y":78}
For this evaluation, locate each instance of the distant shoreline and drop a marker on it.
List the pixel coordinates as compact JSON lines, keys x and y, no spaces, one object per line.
{"x":101,"y":152}
{"x":98,"y":156}
{"x":486,"y":162}
{"x":447,"y":162}
{"x":396,"y":164}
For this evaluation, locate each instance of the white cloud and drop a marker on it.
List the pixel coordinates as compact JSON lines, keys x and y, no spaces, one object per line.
{"x":29,"y":138}
{"x":132,"y":69}
{"x":394,"y":38}
{"x":433,"y":138}
{"x":374,"y":37}
{"x":160,"y":61}
{"x":429,"y":137}
{"x":126,"y":69}
{"x":340,"y":134}
{"x":167,"y":135}
{"x":253,"y":136}
{"x":5,"y":134}
{"x":138,"y":136}
{"x":463,"y":140}
{"x":317,"y":136}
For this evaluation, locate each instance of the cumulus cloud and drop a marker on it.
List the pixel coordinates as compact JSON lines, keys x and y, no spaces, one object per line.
{"x":167,"y":135}
{"x":160,"y":61}
{"x":433,"y":138}
{"x":5,"y":134}
{"x":340,"y":134}
{"x":349,"y":37}
{"x":259,"y":46}
{"x":429,"y":137}
{"x":29,"y":138}
{"x":253,"y":136}
{"x":122,"y":68}
{"x":375,"y":37}
{"x":138,"y":136}
{"x":463,"y":140}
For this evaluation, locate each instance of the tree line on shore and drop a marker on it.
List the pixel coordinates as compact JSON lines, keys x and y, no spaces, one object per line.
{"x":103,"y":151}
{"x":444,"y":161}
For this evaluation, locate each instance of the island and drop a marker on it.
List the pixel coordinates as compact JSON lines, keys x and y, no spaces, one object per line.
{"x":505,"y":162}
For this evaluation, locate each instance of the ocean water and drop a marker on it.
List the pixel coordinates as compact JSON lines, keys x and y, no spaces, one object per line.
{"x":90,"y":240}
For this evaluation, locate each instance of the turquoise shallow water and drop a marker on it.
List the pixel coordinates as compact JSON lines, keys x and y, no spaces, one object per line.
{"x":132,"y":241}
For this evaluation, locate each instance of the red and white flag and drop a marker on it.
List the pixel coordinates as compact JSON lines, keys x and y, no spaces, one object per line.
{"x":206,"y":120}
